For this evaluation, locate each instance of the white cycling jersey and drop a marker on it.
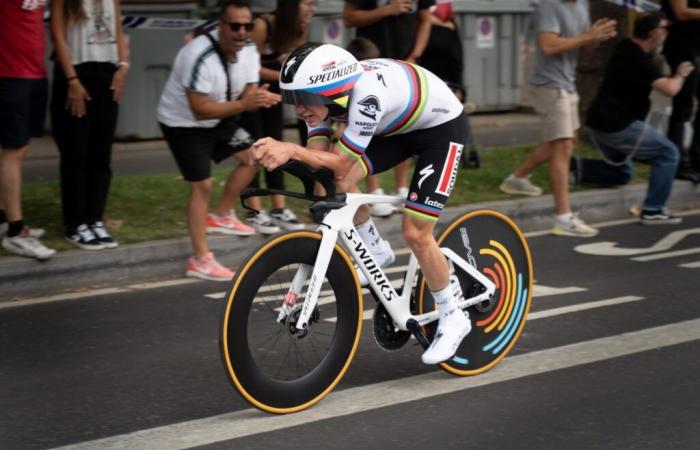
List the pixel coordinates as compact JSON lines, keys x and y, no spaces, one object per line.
{"x":391,"y":97}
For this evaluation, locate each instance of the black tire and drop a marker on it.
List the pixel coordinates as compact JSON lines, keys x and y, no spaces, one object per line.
{"x":275,"y":367}
{"x":501,"y":253}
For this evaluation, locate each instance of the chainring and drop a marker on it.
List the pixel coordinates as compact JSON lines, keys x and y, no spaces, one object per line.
{"x":386,"y":335}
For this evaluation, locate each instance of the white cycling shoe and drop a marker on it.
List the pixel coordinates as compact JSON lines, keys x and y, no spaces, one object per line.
{"x":384,"y":256}
{"x":451,"y":330}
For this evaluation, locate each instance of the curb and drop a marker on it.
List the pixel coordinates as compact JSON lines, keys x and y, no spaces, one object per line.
{"x":80,"y":269}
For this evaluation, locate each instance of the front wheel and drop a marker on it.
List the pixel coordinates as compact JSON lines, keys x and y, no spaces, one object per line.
{"x":272,"y":364}
{"x":491,"y":242}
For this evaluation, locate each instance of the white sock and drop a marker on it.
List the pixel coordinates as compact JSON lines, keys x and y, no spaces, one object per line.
{"x":513,"y":177}
{"x":369,"y":234}
{"x":564,"y":218}
{"x":447,"y":306}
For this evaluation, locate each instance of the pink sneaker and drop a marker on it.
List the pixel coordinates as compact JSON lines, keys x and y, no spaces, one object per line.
{"x":208,"y":268}
{"x":228,"y":225}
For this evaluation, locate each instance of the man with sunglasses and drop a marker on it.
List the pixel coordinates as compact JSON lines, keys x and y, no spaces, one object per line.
{"x":214,"y":79}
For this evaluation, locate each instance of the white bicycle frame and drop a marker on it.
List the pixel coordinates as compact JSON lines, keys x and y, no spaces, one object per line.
{"x":334,"y":226}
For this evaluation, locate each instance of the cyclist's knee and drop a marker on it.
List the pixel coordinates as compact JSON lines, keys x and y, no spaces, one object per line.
{"x":203,"y":187}
{"x":417,"y":233}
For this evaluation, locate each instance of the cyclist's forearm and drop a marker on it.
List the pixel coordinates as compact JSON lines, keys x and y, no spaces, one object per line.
{"x":318,"y":158}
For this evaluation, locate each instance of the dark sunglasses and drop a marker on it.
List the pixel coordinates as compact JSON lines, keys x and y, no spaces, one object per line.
{"x":236,"y":26}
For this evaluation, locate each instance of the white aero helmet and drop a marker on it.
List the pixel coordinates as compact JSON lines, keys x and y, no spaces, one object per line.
{"x":319,"y":74}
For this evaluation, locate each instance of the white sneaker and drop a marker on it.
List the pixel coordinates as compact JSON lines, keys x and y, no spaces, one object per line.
{"x":381,"y":209}
{"x":286,"y":219}
{"x":384,"y":256}
{"x":33,"y":232}
{"x":519,"y":186}
{"x":450,"y":332}
{"x":262,"y":223}
{"x":574,"y":227}
{"x":24,"y":244}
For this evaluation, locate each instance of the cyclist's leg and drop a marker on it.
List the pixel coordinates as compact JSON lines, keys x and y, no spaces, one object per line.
{"x":439,"y":150}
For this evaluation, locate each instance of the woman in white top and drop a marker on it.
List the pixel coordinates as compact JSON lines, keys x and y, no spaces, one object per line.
{"x":89,"y":75}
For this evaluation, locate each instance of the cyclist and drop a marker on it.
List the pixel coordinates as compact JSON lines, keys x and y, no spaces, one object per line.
{"x":395,"y":110}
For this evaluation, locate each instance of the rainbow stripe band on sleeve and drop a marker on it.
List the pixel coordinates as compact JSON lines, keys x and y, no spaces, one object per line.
{"x":422,"y":211}
{"x":357,"y":153}
{"x":319,"y":134}
{"x":418,"y":96}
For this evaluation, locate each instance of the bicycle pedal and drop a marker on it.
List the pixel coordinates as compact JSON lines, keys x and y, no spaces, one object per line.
{"x":416,"y":330}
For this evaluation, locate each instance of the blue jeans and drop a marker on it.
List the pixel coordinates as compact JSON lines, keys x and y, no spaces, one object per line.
{"x":653,"y":148}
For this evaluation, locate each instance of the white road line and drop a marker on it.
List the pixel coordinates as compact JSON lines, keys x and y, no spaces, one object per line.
{"x":367,"y":314}
{"x":216,"y":295}
{"x":165,"y":283}
{"x":692,"y":265}
{"x":665,"y":255}
{"x":58,"y":297}
{"x":545,"y":291}
{"x":238,"y":424}
{"x":581,"y":307}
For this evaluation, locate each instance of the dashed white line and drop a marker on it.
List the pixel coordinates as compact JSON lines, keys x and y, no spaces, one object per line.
{"x":693,"y":265}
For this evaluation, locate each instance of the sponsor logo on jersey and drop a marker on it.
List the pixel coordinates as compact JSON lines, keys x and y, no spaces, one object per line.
{"x":425,"y":172}
{"x":449,"y":170}
{"x":434,"y":203}
{"x":380,"y":77}
{"x":370,"y":106}
{"x":332,"y":74}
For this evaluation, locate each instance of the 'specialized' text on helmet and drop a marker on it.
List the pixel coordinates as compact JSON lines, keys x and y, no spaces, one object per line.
{"x":319,"y":74}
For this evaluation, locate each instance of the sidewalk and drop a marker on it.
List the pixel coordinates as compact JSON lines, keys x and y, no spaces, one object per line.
{"x":76,"y":270}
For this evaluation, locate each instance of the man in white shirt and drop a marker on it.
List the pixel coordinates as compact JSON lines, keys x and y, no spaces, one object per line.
{"x":214,"y":78}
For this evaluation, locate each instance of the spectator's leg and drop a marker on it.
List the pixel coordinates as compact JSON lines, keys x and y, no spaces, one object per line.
{"x":682,"y":112}
{"x":99,"y":171}
{"x":401,"y":175}
{"x":255,"y":202}
{"x":664,"y":157}
{"x":72,"y":139}
{"x":239,"y":178}
{"x":542,"y":154}
{"x":372,"y":183}
{"x":562,"y":149}
{"x":197,"y":208}
{"x":597,"y":171}
{"x":11,"y":182}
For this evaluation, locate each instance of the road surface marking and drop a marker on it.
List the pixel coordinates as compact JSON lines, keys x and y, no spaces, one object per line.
{"x":687,"y":251}
{"x":164,"y":283}
{"x":693,"y":265}
{"x":224,"y":427}
{"x":59,"y":297}
{"x":610,"y":248}
{"x":581,"y":307}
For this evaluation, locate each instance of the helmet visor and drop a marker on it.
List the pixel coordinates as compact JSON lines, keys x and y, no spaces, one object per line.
{"x":300,"y":97}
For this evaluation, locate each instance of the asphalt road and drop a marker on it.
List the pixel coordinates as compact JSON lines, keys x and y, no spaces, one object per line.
{"x":608,"y":359}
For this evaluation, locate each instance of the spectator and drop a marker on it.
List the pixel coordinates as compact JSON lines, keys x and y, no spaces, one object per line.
{"x":563,"y":27}
{"x":23,"y":93}
{"x":274,"y":40}
{"x":443,"y":55}
{"x":401,"y":29}
{"x":214,"y":78}
{"x":683,"y":44}
{"x":616,"y":119}
{"x":88,"y":82}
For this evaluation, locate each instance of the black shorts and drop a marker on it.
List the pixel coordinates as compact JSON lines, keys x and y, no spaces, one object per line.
{"x":22,"y":110}
{"x":194,"y":148}
{"x":438,"y":150}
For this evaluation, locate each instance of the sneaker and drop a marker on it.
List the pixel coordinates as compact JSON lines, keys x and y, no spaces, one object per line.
{"x":381,"y":209}
{"x":658,"y":217}
{"x":84,"y":238}
{"x":262,"y":223}
{"x":100,"y":232}
{"x":208,"y":268}
{"x":286,"y":219}
{"x":384,"y":256}
{"x":230,"y":225}
{"x":519,"y":186}
{"x":24,"y":244}
{"x":451,"y":331}
{"x":33,"y":232}
{"x":574,"y":227}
